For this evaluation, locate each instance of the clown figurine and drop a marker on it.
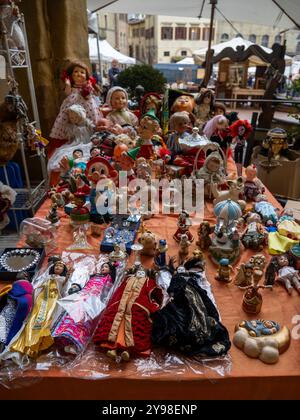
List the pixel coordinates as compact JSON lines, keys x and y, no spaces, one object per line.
{"x":240,"y":131}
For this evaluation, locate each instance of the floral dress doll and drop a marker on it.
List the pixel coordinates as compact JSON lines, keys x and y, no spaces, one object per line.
{"x":80,"y":89}
{"x":36,"y":335}
{"x":125,"y":326}
{"x":204,"y":109}
{"x":117,"y":99}
{"x":76,"y":326}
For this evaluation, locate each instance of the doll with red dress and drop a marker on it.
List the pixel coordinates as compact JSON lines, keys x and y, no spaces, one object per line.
{"x":148,"y":131}
{"x":240,"y":131}
{"x":125,"y":326}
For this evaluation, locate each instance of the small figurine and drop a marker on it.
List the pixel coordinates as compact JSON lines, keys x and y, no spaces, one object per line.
{"x":180,"y":101}
{"x":180,"y":127}
{"x":240,"y":131}
{"x":117,"y":99}
{"x":149,"y":127}
{"x":217,"y":131}
{"x":244,"y":275}
{"x":254,"y":236}
{"x":160,"y":259}
{"x":224,"y":271}
{"x":118,"y":254}
{"x":80,"y":213}
{"x":258,"y":261}
{"x":252,"y":185}
{"x":196,"y":262}
{"x":143,"y":170}
{"x":262,"y":339}
{"x":276,"y":143}
{"x":286,"y":273}
{"x":151,"y":101}
{"x":253,"y":300}
{"x":266,"y":210}
{"x":183,"y":223}
{"x":52,"y":215}
{"x":183,"y":252}
{"x":204,"y":108}
{"x":235,"y":192}
{"x":212,"y":172}
{"x":148,"y":240}
{"x":204,"y":241}
{"x":78,"y":128}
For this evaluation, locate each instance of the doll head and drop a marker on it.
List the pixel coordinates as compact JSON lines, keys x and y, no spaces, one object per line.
{"x":99,"y":168}
{"x":251,"y":173}
{"x":213,"y":163}
{"x":219,"y":108}
{"x":180,"y":122}
{"x":207,"y":97}
{"x":125,"y":139}
{"x":241,"y":128}
{"x":149,"y":125}
{"x":217,"y":123}
{"x":151,"y":101}
{"x":117,"y":98}
{"x":76,"y":114}
{"x":78,"y":73}
{"x":183,"y":103}
{"x":58,"y":268}
{"x":283,"y":260}
{"x":94,"y":152}
{"x":75,"y":288}
{"x":77,"y":154}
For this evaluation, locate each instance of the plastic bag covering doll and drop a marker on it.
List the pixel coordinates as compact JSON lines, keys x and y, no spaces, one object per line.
{"x":79,"y":128}
{"x":212,"y":173}
{"x":76,"y":326}
{"x":216,"y":130}
{"x":179,"y":126}
{"x":204,"y":109}
{"x":15,"y":305}
{"x":125,"y":324}
{"x":149,"y":127}
{"x":7,"y":199}
{"x":79,"y":88}
{"x":190,"y":322}
{"x":281,"y":267}
{"x":36,"y":335}
{"x":252,"y":186}
{"x":117,"y":99}
{"x":240,"y":131}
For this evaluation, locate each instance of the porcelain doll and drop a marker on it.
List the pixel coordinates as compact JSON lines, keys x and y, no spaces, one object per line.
{"x":36,"y":335}
{"x":252,"y":301}
{"x":204,"y":240}
{"x":16,"y":302}
{"x":75,"y":327}
{"x":125,"y":326}
{"x":254,"y":236}
{"x":252,"y":185}
{"x":80,"y":90}
{"x":240,"y":132}
{"x":212,"y":172}
{"x":180,"y":127}
{"x":204,"y":109}
{"x":190,"y":323}
{"x":117,"y":99}
{"x":148,"y":127}
{"x":281,"y":268}
{"x":266,"y":210}
{"x":79,"y":128}
{"x":184,"y":222}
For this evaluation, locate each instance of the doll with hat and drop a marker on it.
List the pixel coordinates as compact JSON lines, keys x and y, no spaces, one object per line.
{"x":117,"y":99}
{"x":127,"y":161}
{"x":148,"y":128}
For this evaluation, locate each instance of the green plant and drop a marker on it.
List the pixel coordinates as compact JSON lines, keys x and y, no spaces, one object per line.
{"x":151,"y":79}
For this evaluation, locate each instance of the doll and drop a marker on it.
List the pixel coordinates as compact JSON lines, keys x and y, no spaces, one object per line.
{"x":143,"y":170}
{"x":179,"y":126}
{"x":80,"y":89}
{"x":127,"y":162}
{"x":212,"y":173}
{"x":149,"y":126}
{"x":16,"y":302}
{"x":80,"y":213}
{"x":75,"y":327}
{"x":254,"y":236}
{"x":160,"y":259}
{"x":105,"y":141}
{"x":282,"y":266}
{"x":240,"y":131}
{"x":204,"y":109}
{"x":125,"y":327}
{"x":216,"y":130}
{"x":7,"y":199}
{"x":78,"y":128}
{"x":252,"y":185}
{"x":219,"y":109}
{"x":80,"y":184}
{"x":36,"y":335}
{"x":148,"y":240}
{"x":75,"y":164}
{"x":224,"y":271}
{"x":204,"y":241}
{"x":184,"y":222}
{"x":252,"y":301}
{"x":52,"y":215}
{"x":180,"y":101}
{"x":151,"y":101}
{"x":190,"y":322}
{"x":117,"y":99}
{"x":266,"y":210}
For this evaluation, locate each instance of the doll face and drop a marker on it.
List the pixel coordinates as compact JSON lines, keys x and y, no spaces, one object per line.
{"x":77,"y":154}
{"x":241,"y":130}
{"x":222,"y":125}
{"x":105,"y":269}
{"x":79,"y":75}
{"x":181,"y":125}
{"x":140,"y":274}
{"x":283,"y":261}
{"x":251,"y":173}
{"x":213,"y":165}
{"x":95,"y":152}
{"x":118,"y":100}
{"x":147,"y":128}
{"x":59,"y":268}
{"x":75,"y":117}
{"x":126,"y":162}
{"x":75,"y":288}
{"x":183,"y":103}
{"x":219,"y":111}
{"x":98,"y":171}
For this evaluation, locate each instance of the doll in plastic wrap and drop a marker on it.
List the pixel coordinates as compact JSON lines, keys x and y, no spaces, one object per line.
{"x":79,"y":128}
{"x":75,"y":327}
{"x":212,"y":172}
{"x":7,"y":199}
{"x":216,"y":130}
{"x":240,"y":132}
{"x":125,"y":326}
{"x":36,"y":335}
{"x":281,"y":268}
{"x":190,"y":322}
{"x":80,"y":89}
{"x":117,"y":99}
{"x":252,"y":185}
{"x":204,"y":109}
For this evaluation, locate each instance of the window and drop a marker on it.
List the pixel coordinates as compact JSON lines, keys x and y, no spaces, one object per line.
{"x":150,"y":33}
{"x":278,"y":39}
{"x":298,"y":48}
{"x":105,"y":21}
{"x":205,"y":34}
{"x":166,"y":53}
{"x":130,"y":51}
{"x":183,"y":53}
{"x":224,"y":37}
{"x":252,"y":38}
{"x":194,"y":34}
{"x":265,"y":41}
{"x":166,"y":32}
{"x":137,"y":51}
{"x":142,"y":31}
{"x":180,"y":33}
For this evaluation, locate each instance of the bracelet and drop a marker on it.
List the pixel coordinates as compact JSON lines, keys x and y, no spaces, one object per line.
{"x":19,"y":260}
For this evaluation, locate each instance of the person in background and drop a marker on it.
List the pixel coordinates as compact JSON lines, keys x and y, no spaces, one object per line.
{"x":113,"y":73}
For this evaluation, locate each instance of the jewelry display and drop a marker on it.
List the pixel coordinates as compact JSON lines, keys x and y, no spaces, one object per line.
{"x":13,"y":261}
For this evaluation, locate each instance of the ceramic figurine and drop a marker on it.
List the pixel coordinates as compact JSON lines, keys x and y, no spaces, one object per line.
{"x":204,"y":240}
{"x":204,"y":108}
{"x":254,"y":235}
{"x":280,"y":268}
{"x":252,"y":185}
{"x":212,"y":172}
{"x":196,"y":261}
{"x":240,"y":131}
{"x":262,"y":339}
{"x":258,"y":261}
{"x":275,"y":143}
{"x":151,"y":101}
{"x":266,"y":210}
{"x":80,"y":213}
{"x":287,"y":226}
{"x":52,"y":215}
{"x":183,"y":223}
{"x":148,"y":240}
{"x":180,"y":101}
{"x":235,"y":192}
{"x":117,"y":99}
{"x":252,"y":301}
{"x":224,"y":271}
{"x":148,"y":128}
{"x":118,"y":254}
{"x":183,"y":252}
{"x":127,"y":162}
{"x":244,"y":275}
{"x":160,"y":259}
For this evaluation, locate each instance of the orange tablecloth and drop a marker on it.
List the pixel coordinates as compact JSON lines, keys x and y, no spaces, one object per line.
{"x":249,"y":378}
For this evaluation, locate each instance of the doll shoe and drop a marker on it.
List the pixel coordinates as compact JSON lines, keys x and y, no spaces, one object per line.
{"x":125,"y":356}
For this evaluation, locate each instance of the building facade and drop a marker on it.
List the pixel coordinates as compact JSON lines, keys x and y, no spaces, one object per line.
{"x":114,"y":28}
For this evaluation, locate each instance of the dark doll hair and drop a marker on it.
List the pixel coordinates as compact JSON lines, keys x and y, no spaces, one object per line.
{"x":51,"y":271}
{"x":274,"y":267}
{"x":93,"y":148}
{"x":71,"y":67}
{"x":206,"y":92}
{"x":113,"y":270}
{"x":77,"y":150}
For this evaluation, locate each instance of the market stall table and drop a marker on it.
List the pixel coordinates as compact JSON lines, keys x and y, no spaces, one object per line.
{"x":248,"y":378}
{"x":246,"y":92}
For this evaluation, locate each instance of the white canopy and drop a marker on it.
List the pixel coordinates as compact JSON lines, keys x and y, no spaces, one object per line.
{"x":186,"y":60}
{"x":234,"y":43}
{"x":263,"y":12}
{"x":107,"y":52}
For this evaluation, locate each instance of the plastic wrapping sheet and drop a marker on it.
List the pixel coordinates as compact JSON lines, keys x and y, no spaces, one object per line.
{"x":67,"y":150}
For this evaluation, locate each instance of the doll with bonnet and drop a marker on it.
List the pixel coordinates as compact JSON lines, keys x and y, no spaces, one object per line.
{"x":79,"y":128}
{"x":212,"y":173}
{"x":117,"y":99}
